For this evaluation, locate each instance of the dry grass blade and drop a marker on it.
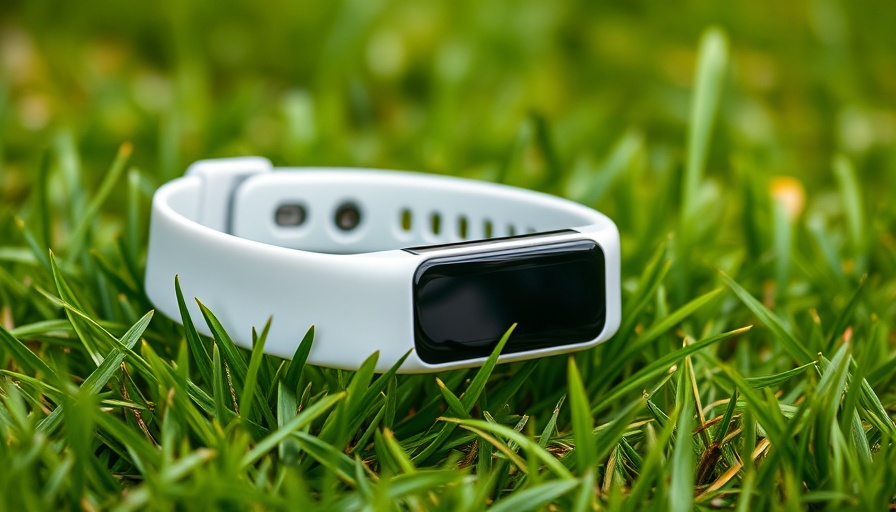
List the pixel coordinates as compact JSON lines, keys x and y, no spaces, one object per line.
{"x":728,"y":475}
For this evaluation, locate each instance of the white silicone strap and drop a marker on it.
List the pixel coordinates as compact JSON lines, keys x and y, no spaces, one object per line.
{"x":216,"y":229}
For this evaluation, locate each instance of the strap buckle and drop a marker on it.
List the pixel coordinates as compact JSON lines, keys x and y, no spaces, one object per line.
{"x":220,"y":179}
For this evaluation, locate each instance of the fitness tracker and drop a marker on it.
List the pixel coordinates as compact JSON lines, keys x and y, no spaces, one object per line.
{"x":387,"y":261}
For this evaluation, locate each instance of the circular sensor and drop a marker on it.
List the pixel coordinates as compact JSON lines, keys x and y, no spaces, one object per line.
{"x":290,"y":215}
{"x":348,"y":216}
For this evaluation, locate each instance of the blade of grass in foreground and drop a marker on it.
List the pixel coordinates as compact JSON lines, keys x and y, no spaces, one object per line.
{"x":455,"y":407}
{"x":582,"y":422}
{"x":470,"y":397}
{"x":521,"y":440}
{"x":397,"y":454}
{"x":650,"y":280}
{"x":671,"y":320}
{"x":234,"y":360}
{"x":789,"y":342}
{"x":24,"y":356}
{"x":304,"y":418}
{"x":103,"y":373}
{"x":143,"y":454}
{"x":610,"y":435}
{"x":372,"y":394}
{"x":681,"y":468}
{"x":846,"y":315}
{"x":651,"y":469}
{"x":287,"y":393}
{"x":771,"y":422}
{"x":660,"y":366}
{"x":67,"y":294}
{"x":868,"y":398}
{"x":201,"y":358}
{"x":336,"y":431}
{"x":403,"y":486}
{"x":551,"y":425}
{"x":585,"y":499}
{"x":334,"y":460}
{"x":778,"y":378}
{"x":505,"y":449}
{"x":535,"y":497}
{"x":219,"y":389}
{"x":246,"y":398}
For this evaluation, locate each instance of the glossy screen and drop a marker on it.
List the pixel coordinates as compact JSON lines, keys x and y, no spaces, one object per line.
{"x":464,"y":304}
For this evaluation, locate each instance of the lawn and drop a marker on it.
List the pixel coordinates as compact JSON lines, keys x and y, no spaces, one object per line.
{"x":747,"y":153}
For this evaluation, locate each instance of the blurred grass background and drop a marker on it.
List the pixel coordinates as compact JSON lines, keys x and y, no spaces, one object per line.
{"x":590,"y":100}
{"x":439,"y":86}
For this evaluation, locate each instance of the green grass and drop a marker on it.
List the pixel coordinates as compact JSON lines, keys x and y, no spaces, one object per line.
{"x":755,"y":364}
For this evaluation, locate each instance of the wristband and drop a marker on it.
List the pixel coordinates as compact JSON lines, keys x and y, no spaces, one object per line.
{"x":387,"y":261}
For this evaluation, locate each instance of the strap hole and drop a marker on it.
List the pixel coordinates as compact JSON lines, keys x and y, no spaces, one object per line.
{"x":406,"y":219}
{"x":290,"y":215}
{"x":348,"y":216}
{"x":436,"y":223}
{"x":488,"y":228}
{"x":462,"y":227}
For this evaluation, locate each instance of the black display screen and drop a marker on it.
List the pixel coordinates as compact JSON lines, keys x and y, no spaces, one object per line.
{"x":463,"y":304}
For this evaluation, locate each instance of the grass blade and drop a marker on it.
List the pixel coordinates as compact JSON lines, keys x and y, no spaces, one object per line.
{"x":297,"y":364}
{"x":521,"y":440}
{"x":24,"y":356}
{"x":582,"y":422}
{"x":778,"y":378}
{"x":300,"y":421}
{"x":659,"y":367}
{"x":671,"y":320}
{"x":234,"y":360}
{"x":536,"y":497}
{"x":789,"y":342}
{"x":681,"y":468}
{"x":846,"y":315}
{"x":201,"y":358}
{"x":246,"y":398}
{"x":88,"y":218}
{"x":711,"y":64}
{"x":852,"y":200}
{"x":469,"y":398}
{"x":328,"y":456}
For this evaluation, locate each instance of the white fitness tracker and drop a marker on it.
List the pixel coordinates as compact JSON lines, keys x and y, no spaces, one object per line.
{"x":387,"y":261}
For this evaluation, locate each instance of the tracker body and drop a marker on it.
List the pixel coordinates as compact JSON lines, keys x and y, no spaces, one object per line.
{"x":216,"y":228}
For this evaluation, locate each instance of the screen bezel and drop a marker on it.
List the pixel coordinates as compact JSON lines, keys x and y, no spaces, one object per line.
{"x":434,"y":354}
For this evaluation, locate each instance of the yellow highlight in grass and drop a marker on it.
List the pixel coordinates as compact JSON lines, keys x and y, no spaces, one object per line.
{"x":789,"y":192}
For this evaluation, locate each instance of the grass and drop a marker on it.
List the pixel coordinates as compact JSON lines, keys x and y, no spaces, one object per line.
{"x":754,"y":367}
